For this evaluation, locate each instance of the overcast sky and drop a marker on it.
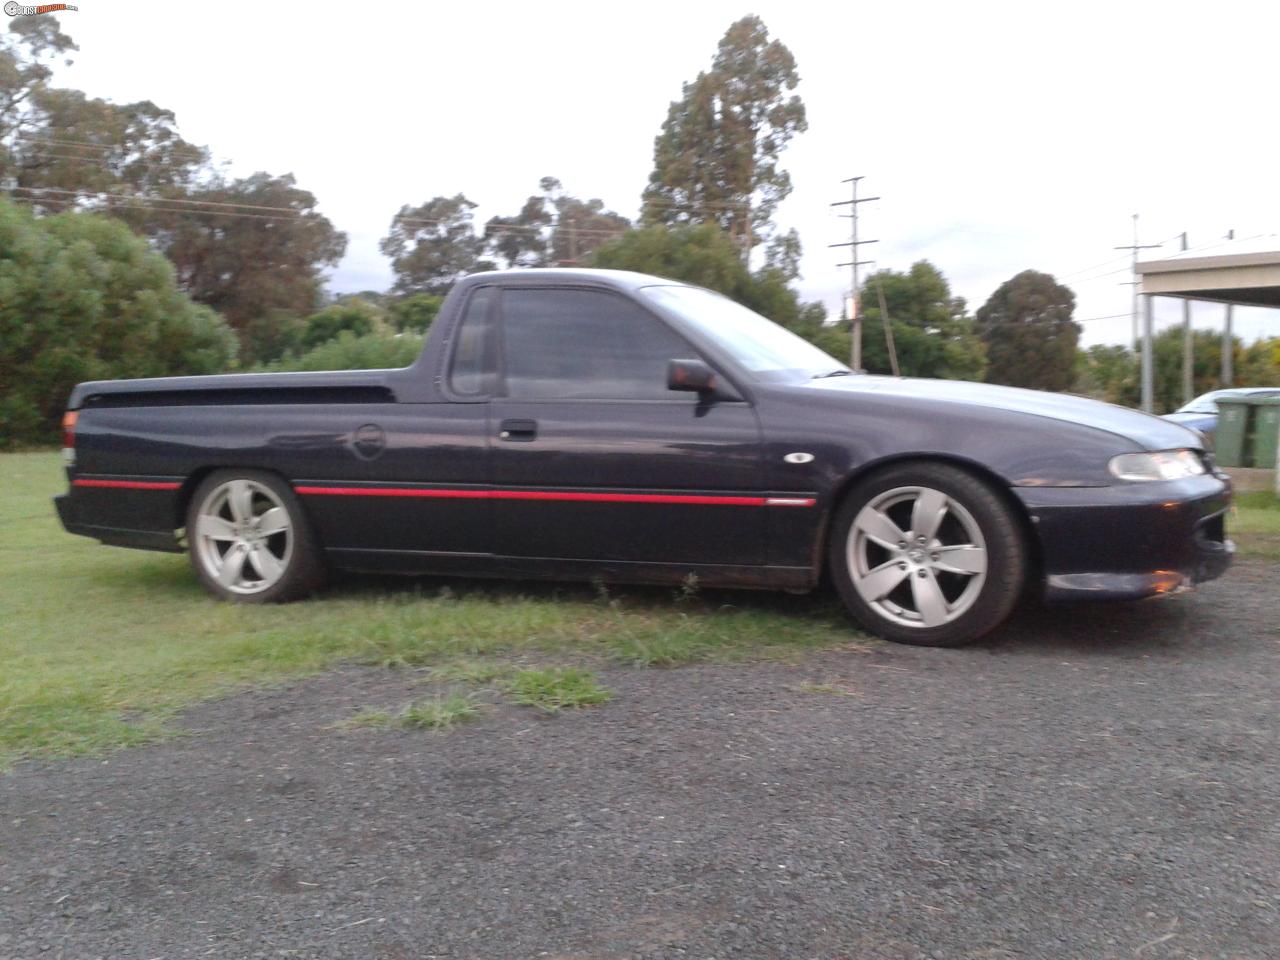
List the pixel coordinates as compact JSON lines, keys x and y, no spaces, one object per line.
{"x":1000,"y":136}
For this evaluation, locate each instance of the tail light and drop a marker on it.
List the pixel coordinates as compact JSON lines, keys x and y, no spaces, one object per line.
{"x":69,"y":437}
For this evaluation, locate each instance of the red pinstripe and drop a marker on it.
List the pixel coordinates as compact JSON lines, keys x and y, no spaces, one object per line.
{"x":128,"y":484}
{"x":674,"y":498}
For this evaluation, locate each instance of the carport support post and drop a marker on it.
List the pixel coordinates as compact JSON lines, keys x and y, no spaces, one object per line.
{"x":1148,"y":364}
{"x":1188,"y":346}
{"x":1228,"y":347}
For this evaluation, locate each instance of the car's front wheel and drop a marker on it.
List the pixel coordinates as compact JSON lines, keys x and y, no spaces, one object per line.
{"x":249,"y":539}
{"x":928,"y":554}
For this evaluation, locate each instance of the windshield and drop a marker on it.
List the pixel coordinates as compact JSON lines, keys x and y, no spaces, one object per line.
{"x":759,"y":345}
{"x":1205,"y":403}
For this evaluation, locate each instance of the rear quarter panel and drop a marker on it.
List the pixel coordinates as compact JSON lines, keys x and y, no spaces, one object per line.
{"x":181,"y":444}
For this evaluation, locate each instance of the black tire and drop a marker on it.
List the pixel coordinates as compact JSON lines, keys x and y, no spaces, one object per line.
{"x":303,"y":570}
{"x":979,"y":605}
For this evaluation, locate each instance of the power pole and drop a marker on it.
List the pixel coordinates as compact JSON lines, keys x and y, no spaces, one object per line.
{"x":1135,"y":247}
{"x":1188,"y":345}
{"x":1228,"y":342}
{"x":888,"y":329}
{"x":855,"y":313}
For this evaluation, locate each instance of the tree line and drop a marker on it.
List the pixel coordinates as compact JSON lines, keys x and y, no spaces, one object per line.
{"x":127,"y":251}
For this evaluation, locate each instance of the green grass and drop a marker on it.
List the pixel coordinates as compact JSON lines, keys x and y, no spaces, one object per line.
{"x":556,"y":688}
{"x":1256,"y":525}
{"x":100,"y":646}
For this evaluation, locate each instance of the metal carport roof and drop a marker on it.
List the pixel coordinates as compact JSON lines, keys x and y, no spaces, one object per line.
{"x":1245,"y":272}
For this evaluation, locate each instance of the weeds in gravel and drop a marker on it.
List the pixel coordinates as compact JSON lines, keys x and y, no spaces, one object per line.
{"x":369,"y":717}
{"x":437,"y":713}
{"x":469,"y":671}
{"x":556,"y":688}
{"x":440,"y":713}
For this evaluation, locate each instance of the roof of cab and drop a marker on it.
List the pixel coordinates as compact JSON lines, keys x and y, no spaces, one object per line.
{"x":620,"y":279}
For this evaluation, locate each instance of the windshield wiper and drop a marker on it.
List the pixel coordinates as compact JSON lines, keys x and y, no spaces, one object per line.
{"x":833,"y":373}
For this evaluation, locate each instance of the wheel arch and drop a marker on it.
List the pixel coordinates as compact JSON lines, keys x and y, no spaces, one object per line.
{"x":993,"y":480}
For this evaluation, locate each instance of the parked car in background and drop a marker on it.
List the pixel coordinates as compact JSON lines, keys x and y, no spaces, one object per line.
{"x":1202,"y":413}
{"x":593,"y":423}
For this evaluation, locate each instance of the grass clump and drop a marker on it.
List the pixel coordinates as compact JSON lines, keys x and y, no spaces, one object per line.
{"x":436,"y":713}
{"x":440,"y":713}
{"x":556,"y":688}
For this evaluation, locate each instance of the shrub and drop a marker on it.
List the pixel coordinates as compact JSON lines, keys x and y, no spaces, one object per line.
{"x":415,"y":312}
{"x":348,"y":352}
{"x":83,"y":298}
{"x":356,"y":317}
{"x":272,"y":336}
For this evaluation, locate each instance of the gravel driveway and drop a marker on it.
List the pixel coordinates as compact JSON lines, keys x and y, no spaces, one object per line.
{"x":1097,"y":782}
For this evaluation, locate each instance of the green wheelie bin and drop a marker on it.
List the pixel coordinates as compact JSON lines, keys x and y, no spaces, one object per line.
{"x":1266,"y":432}
{"x":1231,"y":437}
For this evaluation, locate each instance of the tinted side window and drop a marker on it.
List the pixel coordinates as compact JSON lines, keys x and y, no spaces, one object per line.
{"x":582,"y":344}
{"x":471,"y":361}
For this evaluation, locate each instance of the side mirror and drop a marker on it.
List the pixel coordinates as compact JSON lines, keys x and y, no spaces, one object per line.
{"x":692,"y":375}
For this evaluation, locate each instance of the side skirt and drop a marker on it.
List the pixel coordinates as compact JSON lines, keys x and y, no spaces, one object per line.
{"x":556,"y":568}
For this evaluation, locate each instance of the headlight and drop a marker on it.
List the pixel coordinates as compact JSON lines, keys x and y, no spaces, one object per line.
{"x":1160,"y":465}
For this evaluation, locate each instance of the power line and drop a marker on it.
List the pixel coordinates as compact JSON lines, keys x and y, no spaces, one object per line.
{"x":67,"y":198}
{"x":698,"y":206}
{"x":106,"y":194}
{"x":1096,"y":266}
{"x":68,"y":201}
{"x":1110,"y":316}
{"x":1100,"y":276}
{"x":68,"y":143}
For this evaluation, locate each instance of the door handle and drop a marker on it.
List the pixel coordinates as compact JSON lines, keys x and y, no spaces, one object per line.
{"x":520,"y":431}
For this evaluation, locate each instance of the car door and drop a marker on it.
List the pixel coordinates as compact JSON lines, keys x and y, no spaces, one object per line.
{"x":595,"y":458}
{"x":414,"y":477}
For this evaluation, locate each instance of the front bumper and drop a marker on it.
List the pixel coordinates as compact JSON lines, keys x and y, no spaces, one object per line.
{"x":1130,"y":540}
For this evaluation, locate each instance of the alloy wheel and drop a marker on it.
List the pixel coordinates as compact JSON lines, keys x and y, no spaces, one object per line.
{"x":243,"y":536}
{"x":917,"y":557}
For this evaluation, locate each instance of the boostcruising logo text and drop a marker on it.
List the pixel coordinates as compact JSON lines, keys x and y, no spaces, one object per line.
{"x":18,"y":10}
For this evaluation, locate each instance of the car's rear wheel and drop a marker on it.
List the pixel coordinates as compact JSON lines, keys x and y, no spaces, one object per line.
{"x":928,"y":554}
{"x":249,"y":539}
